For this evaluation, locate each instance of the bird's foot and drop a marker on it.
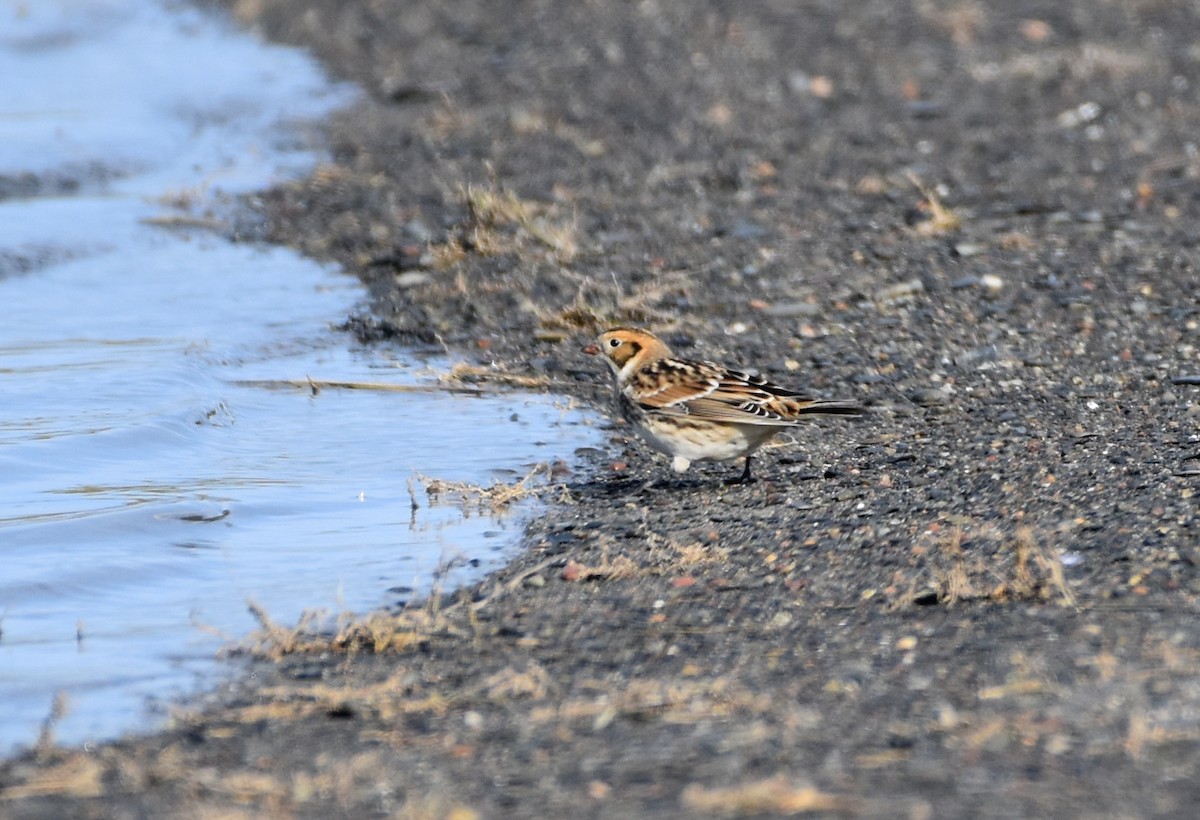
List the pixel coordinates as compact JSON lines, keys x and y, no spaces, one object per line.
{"x":745,"y":477}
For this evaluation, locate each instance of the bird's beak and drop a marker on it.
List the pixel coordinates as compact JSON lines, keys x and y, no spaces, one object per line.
{"x":592,"y":349}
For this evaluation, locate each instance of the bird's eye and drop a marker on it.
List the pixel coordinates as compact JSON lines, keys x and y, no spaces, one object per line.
{"x":614,"y":342}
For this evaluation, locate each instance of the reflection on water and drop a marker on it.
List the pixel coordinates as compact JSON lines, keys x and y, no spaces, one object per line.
{"x":149,"y":485}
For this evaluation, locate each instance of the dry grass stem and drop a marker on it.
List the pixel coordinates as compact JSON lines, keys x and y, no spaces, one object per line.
{"x":184,"y":221}
{"x":58,"y":710}
{"x":941,"y":218}
{"x":317,"y":385}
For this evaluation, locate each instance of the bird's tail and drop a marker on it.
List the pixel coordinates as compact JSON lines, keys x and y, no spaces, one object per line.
{"x":830,"y":407}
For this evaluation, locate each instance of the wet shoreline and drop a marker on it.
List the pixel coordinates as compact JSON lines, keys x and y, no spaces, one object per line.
{"x":192,"y":432}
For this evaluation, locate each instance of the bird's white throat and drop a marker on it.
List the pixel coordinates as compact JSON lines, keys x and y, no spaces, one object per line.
{"x":625,"y":373}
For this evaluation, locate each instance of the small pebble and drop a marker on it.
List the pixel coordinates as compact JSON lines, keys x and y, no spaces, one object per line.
{"x":787,"y":310}
{"x":985,"y":354}
{"x":902,"y":290}
{"x":931,"y":396}
{"x":1079,"y":115}
{"x":411,"y":279}
{"x":417,"y":230}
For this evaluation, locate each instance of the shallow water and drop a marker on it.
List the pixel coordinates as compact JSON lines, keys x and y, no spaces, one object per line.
{"x":149,"y":485}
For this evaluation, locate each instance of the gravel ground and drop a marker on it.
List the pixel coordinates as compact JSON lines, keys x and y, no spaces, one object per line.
{"x":980,"y":220}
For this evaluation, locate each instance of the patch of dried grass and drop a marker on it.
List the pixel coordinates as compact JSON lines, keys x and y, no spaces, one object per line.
{"x":672,"y":700}
{"x":384,"y":631}
{"x":386,"y":700}
{"x":1144,"y":732}
{"x":492,"y":207}
{"x":498,"y":222}
{"x":774,"y":795}
{"x":435,"y":807}
{"x":496,"y":497}
{"x":697,"y":554}
{"x":448,"y":118}
{"x":274,"y":641}
{"x":1038,"y":572}
{"x":601,"y":304}
{"x":991,"y":564}
{"x":75,"y":776}
{"x":609,"y":569}
{"x":532,"y":682}
{"x":942,"y":219}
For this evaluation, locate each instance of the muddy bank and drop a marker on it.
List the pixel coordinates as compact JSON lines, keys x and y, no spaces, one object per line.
{"x":979,"y":600}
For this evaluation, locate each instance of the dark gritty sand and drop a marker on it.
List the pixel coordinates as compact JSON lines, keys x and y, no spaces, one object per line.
{"x":978,"y":219}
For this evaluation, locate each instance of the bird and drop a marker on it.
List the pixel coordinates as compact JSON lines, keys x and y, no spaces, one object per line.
{"x":697,"y":410}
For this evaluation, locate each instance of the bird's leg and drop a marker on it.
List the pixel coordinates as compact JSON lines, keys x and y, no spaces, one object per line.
{"x":745,"y":477}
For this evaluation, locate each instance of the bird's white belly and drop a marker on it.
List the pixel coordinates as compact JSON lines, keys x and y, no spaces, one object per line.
{"x":698,"y":442}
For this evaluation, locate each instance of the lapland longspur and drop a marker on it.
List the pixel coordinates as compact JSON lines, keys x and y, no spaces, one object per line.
{"x":695,"y":410}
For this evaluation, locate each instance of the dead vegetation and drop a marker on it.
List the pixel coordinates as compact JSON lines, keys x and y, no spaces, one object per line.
{"x":664,"y":556}
{"x":462,"y":377}
{"x":58,"y":710}
{"x":775,"y":795}
{"x":527,"y":241}
{"x":595,"y":704}
{"x":496,"y":497}
{"x":601,"y":303}
{"x":447,"y":383}
{"x":386,"y":701}
{"x":378,"y":631}
{"x":435,"y":807}
{"x":987,"y":563}
{"x":273,"y":640}
{"x":400,"y":630}
{"x":942,"y":220}
{"x":224,"y":793}
{"x":462,"y":374}
{"x":74,"y":775}
{"x":608,"y":569}
{"x":499,"y":222}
